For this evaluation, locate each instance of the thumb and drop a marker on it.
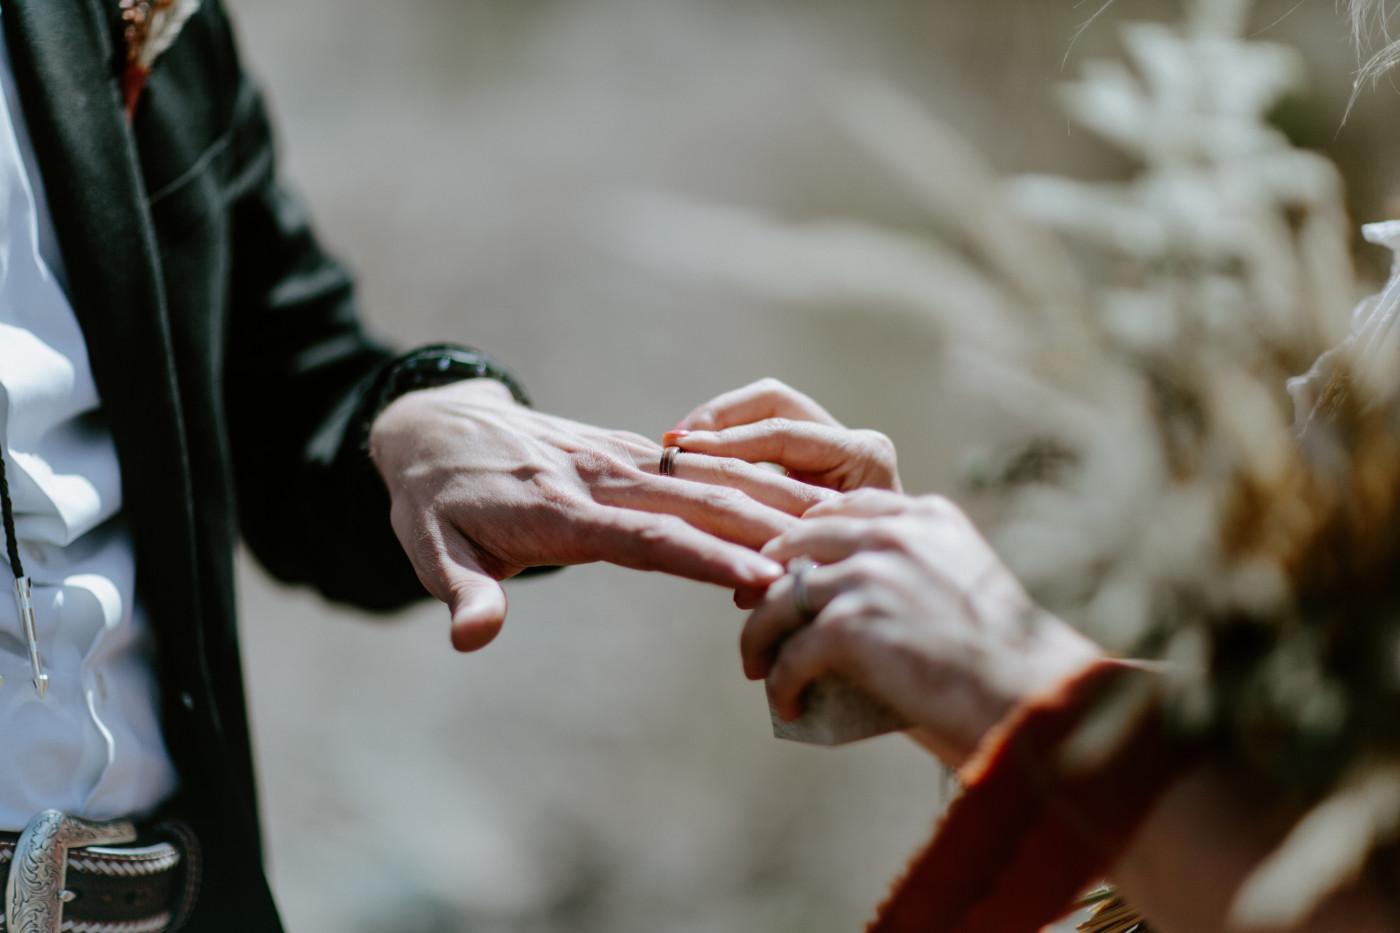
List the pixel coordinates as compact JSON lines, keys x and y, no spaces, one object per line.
{"x":478,"y":607}
{"x":475,"y":601}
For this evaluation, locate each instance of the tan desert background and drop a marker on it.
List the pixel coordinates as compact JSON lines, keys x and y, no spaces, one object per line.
{"x":604,"y":766}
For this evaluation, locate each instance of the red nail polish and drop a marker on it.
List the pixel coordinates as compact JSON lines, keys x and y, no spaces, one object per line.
{"x":675,"y":435}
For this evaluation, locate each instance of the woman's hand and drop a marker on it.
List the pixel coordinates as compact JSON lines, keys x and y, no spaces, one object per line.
{"x":769,"y":422}
{"x":912,"y":606}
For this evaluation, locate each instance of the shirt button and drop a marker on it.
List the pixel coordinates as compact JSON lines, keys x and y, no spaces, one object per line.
{"x":187,"y":699}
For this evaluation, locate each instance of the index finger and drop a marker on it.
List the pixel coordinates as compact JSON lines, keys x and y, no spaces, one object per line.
{"x":862,"y":503}
{"x":766,"y":398}
{"x":826,"y":540}
{"x":724,"y":511}
{"x":665,"y":543}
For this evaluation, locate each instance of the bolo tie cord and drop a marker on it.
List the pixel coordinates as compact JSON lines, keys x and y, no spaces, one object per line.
{"x":24,"y":587}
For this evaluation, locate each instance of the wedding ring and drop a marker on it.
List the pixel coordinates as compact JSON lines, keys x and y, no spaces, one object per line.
{"x":798,"y":568}
{"x":668,"y":460}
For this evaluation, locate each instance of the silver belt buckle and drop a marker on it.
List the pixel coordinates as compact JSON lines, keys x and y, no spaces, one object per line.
{"x":36,"y":892}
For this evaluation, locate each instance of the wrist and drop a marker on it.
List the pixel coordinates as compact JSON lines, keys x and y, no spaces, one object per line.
{"x":434,"y":367}
{"x":473,"y":392}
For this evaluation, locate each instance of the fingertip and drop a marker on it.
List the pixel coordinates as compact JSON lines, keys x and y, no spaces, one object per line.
{"x":774,"y":551}
{"x":748,"y":597}
{"x":473,"y":634}
{"x":477,"y":619}
{"x":788,"y":710}
{"x":756,"y":668}
{"x":760,"y":571}
{"x":692,"y":440}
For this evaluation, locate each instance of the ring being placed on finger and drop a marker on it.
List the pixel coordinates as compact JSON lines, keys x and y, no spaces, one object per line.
{"x":668,"y":461}
{"x":798,"y":568}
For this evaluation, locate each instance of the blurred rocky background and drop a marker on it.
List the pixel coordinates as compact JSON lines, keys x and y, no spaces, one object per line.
{"x":604,"y":766}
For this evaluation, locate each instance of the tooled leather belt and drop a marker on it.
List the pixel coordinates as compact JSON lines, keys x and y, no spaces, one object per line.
{"x":87,"y":887}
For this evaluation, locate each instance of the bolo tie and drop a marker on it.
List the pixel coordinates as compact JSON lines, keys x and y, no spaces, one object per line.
{"x":24,"y":587}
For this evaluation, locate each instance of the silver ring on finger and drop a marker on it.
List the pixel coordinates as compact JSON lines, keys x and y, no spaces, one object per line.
{"x":798,"y":568}
{"x":668,"y":461}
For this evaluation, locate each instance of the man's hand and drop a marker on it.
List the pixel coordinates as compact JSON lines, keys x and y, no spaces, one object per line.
{"x":483,"y":488}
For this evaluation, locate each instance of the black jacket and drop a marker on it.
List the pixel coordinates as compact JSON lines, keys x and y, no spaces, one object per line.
{"x":233,"y":376}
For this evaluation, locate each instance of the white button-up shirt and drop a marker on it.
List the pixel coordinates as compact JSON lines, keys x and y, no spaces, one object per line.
{"x":93,"y":747}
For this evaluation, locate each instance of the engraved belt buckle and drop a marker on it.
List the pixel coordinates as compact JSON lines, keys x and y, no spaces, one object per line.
{"x":35,"y":893}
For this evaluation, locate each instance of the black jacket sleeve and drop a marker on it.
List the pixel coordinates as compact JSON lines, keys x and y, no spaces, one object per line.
{"x":267,"y":342}
{"x":297,"y":369}
{"x":300,"y":370}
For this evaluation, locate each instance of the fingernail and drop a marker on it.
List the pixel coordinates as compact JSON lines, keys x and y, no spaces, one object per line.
{"x":762,"y":571}
{"x":674,"y":435}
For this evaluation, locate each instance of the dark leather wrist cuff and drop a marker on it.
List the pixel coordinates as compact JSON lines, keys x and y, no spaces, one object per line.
{"x":439,"y":365}
{"x":428,"y":368}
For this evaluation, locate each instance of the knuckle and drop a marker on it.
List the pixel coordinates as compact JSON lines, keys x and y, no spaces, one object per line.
{"x":544,"y":503}
{"x":550,"y":491}
{"x":877,"y":443}
{"x":722,"y":498}
{"x":595,"y":466}
{"x":769,"y":385}
{"x":937,"y":505}
{"x":837,"y":622}
{"x":783,"y":427}
{"x":866,"y":568}
{"x":943,"y":511}
{"x":886,"y":535}
{"x":865,"y":496}
{"x":730,"y":469}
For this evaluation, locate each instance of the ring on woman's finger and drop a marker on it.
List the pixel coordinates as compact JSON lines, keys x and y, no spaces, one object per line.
{"x":668,"y":461}
{"x":798,"y":568}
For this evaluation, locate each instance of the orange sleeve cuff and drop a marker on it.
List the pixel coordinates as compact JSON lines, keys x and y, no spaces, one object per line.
{"x":1027,"y":835}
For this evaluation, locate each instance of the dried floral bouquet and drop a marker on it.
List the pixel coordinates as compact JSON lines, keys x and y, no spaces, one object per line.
{"x":1173,"y":498}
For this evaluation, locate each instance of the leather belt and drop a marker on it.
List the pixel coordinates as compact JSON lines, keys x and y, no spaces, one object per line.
{"x":67,"y":876}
